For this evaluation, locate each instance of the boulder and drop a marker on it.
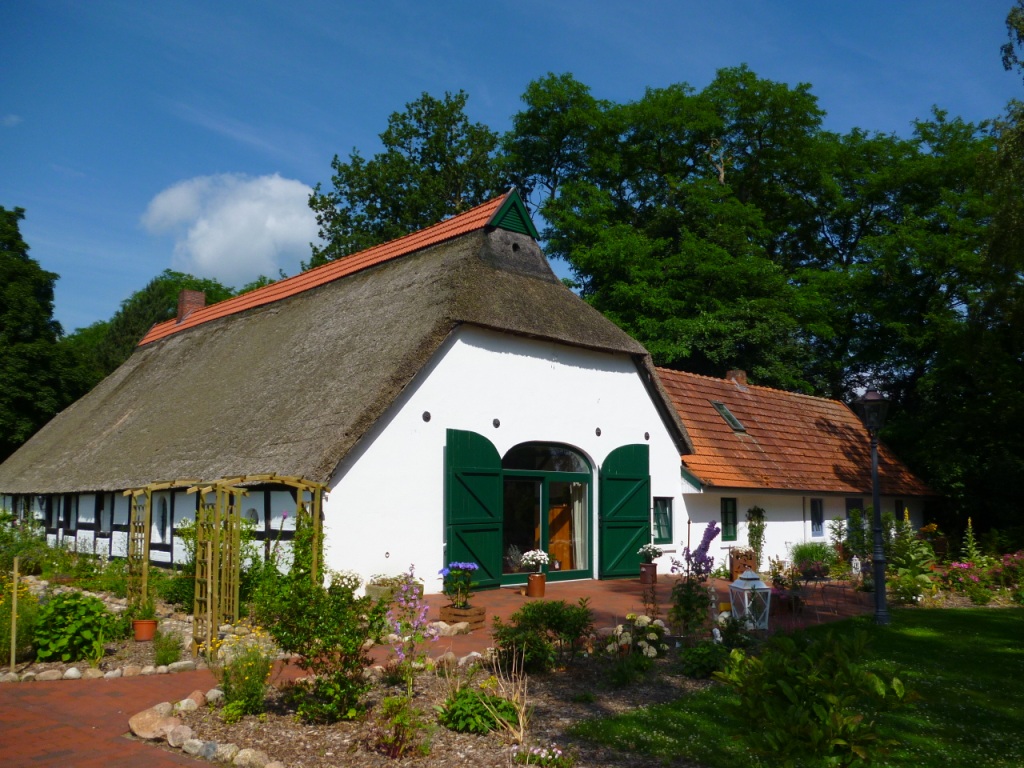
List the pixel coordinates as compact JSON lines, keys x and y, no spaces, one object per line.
{"x":92,"y":674}
{"x":186,"y":705}
{"x":112,"y":674}
{"x":251,"y":758}
{"x":50,"y":674}
{"x":214,"y":695}
{"x":131,"y":670}
{"x":9,"y":677}
{"x":178,"y":735}
{"x":198,"y":697}
{"x":151,"y":725}
{"x":72,"y":673}
{"x":181,"y":666}
{"x":149,"y":669}
{"x":225,"y":753}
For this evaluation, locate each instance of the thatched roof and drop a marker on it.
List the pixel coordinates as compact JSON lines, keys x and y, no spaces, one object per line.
{"x":290,"y":385}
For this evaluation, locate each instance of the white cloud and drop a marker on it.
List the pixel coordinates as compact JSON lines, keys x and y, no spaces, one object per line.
{"x":9,"y":121}
{"x":233,"y":227}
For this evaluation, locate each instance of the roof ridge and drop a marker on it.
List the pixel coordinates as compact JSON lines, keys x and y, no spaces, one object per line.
{"x":474,"y":219}
{"x":751,"y":386}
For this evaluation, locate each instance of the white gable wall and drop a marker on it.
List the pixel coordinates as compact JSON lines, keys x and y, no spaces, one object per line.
{"x":385,"y":509}
{"x":788,"y":516}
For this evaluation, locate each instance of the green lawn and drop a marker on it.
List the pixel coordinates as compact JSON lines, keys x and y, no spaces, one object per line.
{"x":966,"y":664}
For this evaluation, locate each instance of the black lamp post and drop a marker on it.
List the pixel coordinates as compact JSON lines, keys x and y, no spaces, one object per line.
{"x":872,"y":407}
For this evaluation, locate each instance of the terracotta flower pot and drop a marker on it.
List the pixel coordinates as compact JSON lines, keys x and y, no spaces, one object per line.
{"x":144,"y":629}
{"x":648,"y":573}
{"x":535,"y":583}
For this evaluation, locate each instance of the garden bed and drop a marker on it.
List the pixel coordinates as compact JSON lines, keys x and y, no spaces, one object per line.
{"x":560,"y":700}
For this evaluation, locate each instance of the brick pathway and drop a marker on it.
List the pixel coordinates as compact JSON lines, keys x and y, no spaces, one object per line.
{"x":82,"y":723}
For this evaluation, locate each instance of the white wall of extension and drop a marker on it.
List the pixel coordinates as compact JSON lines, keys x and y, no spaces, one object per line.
{"x":385,"y":508}
{"x":788,"y":516}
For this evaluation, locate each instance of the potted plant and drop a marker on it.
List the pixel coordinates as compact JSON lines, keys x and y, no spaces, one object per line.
{"x":457,"y":580}
{"x":648,"y":568}
{"x":144,"y":621}
{"x":535,"y":583}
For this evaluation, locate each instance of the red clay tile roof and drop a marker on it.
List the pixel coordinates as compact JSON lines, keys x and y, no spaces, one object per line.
{"x":471,"y":220}
{"x":790,"y":442}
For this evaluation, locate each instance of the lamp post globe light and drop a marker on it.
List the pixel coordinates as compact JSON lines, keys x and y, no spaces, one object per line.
{"x":872,"y":407}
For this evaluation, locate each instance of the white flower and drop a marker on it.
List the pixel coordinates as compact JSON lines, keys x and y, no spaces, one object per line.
{"x":659,"y":623}
{"x":650,"y":652}
{"x":641,"y":644}
{"x":652,"y":636}
{"x":612,"y":647}
{"x":625,"y":639}
{"x":643,"y":621}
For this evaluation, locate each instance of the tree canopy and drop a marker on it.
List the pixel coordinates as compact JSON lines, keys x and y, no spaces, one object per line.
{"x":31,"y":364}
{"x":435,"y":163}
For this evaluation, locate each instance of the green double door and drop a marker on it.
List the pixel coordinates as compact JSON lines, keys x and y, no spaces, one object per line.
{"x":540,"y":497}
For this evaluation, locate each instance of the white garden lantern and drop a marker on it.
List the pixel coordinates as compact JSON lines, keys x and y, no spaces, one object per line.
{"x":750,"y":599}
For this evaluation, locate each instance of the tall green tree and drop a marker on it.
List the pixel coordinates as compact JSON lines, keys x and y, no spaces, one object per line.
{"x":435,"y":164}
{"x":675,"y":213}
{"x":31,"y":367}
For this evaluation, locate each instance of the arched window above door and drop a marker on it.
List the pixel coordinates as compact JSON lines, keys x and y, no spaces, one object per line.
{"x":544,"y":457}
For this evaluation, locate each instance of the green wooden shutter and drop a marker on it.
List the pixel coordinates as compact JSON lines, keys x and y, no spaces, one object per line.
{"x":473,"y":504}
{"x":624,"y":516}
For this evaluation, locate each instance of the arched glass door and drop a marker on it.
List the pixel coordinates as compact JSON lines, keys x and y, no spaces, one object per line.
{"x":546,"y":501}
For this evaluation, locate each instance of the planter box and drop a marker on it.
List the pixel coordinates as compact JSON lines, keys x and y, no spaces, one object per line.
{"x":473,"y":615}
{"x":386,"y":592}
{"x":738,"y":564}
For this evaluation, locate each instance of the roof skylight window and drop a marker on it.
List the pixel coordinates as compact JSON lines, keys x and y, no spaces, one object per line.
{"x":726,"y":414}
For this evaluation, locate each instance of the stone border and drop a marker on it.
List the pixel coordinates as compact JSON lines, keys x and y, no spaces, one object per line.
{"x":91,"y":673}
{"x":158,"y":723}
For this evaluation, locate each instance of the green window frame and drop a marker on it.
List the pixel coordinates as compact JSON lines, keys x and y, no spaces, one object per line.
{"x":662,"y":520}
{"x":728,"y":519}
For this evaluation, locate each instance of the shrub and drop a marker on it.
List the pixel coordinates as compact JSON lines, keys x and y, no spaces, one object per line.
{"x":979,"y":594}
{"x":804,"y":699}
{"x":402,"y":728}
{"x":166,"y":648}
{"x":813,"y":558}
{"x":544,"y":633}
{"x":633,"y":647}
{"x":327,"y":629}
{"x":474,"y":711}
{"x":703,"y":660}
{"x":178,"y":590}
{"x":28,"y":614}
{"x":73,"y":626}
{"x":23,"y":539}
{"x":244,"y":680}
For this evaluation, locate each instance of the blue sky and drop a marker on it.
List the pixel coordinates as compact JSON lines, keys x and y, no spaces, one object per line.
{"x":145,"y":135}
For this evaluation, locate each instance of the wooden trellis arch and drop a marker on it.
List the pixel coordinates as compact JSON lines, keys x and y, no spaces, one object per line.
{"x":218,"y":545}
{"x":217,"y":559}
{"x":139,"y":532}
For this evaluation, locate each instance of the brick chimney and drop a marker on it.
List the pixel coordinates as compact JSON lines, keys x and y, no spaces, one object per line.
{"x":189,"y":301}
{"x":737,"y":376}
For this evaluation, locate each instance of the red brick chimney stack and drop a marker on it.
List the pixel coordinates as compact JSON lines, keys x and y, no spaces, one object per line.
{"x":189,"y":301}
{"x":737,"y":376}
